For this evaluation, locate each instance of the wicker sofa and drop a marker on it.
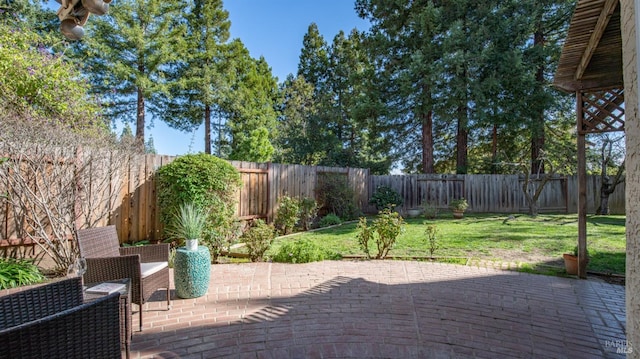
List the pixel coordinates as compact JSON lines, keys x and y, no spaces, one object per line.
{"x":51,"y":321}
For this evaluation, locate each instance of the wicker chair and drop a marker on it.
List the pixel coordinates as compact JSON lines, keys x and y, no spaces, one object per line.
{"x":50,"y":321}
{"x":146,"y":266}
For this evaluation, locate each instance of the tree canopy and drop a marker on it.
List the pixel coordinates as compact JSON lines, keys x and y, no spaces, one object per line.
{"x":35,"y":80}
{"x":125,"y":56}
{"x":457,"y":86}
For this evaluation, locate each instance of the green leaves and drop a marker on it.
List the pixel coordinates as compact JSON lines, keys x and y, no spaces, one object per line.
{"x":258,"y":239}
{"x":460,"y":81}
{"x":126,"y":56}
{"x":208,"y":182}
{"x":188,"y":222}
{"x":287,"y":215}
{"x":36,"y":80}
{"x":302,"y":251}
{"x":17,"y":273}
{"x":385,"y":230}
{"x":386,"y":197}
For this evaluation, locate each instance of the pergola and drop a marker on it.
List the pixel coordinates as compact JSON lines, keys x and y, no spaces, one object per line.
{"x":591,"y":67}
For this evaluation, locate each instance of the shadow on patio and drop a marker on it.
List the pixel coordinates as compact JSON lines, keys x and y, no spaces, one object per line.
{"x":386,"y":309}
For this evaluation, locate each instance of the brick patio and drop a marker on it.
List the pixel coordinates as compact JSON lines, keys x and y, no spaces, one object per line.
{"x":385,"y":309}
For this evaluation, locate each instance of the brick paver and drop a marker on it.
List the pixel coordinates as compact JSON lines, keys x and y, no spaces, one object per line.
{"x":385,"y":309}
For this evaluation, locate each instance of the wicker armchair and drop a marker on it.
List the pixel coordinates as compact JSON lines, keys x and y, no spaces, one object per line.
{"x":50,"y":321}
{"x":146,"y":266}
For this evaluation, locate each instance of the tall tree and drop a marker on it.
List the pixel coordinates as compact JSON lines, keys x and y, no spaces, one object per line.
{"x":349,"y":118}
{"x":299,"y":138}
{"x":199,"y":81}
{"x":250,"y":110}
{"x":313,"y":75}
{"x":126,"y":55}
{"x":462,"y":77}
{"x":549,"y":22}
{"x":402,"y":42}
{"x":344,"y":122}
{"x":313,"y":64}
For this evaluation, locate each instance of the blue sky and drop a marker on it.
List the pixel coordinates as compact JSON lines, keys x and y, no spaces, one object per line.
{"x":273,"y":29}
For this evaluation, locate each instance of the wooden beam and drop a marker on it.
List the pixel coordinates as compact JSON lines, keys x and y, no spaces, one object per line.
{"x":582,"y":191}
{"x":596,"y":35}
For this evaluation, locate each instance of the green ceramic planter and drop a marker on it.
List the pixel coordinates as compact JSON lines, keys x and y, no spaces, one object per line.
{"x":191,"y":272}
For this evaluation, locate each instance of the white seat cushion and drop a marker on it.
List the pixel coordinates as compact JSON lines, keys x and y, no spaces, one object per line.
{"x":149,"y":268}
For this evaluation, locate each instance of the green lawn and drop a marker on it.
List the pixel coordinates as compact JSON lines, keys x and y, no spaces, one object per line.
{"x":524,"y":239}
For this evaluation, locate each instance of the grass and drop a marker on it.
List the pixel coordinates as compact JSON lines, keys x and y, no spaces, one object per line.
{"x":522,"y":239}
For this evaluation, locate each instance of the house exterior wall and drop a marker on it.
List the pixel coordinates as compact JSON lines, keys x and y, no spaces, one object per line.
{"x":629,"y":11}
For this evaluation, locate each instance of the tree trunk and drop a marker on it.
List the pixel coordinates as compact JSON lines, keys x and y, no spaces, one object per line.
{"x":427,"y":142}
{"x":537,"y":122}
{"x":608,"y":187}
{"x":462,"y":138}
{"x":603,"y":209}
{"x":140,"y":118}
{"x":533,"y":208}
{"x":207,"y":129}
{"x":494,"y":149}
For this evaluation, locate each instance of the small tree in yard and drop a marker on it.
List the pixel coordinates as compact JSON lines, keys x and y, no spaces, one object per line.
{"x":385,"y":230}
{"x":386,"y":197}
{"x":533,"y":184}
{"x":432,"y":239}
{"x":608,"y":185}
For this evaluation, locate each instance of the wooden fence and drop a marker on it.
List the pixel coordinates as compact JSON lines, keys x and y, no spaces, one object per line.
{"x":494,"y":193}
{"x":135,"y":212}
{"x":264,"y":183}
{"x":137,"y":217}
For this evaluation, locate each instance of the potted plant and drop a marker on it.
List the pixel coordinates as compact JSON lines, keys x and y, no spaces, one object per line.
{"x":187,"y":224}
{"x":571,"y":261}
{"x":458,"y":206}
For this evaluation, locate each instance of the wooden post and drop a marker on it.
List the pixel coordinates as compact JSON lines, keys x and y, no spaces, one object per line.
{"x":582,"y":190}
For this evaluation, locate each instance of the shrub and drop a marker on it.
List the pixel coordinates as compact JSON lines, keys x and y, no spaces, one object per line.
{"x":308,"y":212}
{"x":386,"y":197}
{"x":385,"y":230}
{"x":287,"y":215}
{"x":258,"y":239}
{"x":432,"y":238}
{"x":364,"y":235}
{"x":302,"y":251}
{"x":209,"y":183}
{"x":219,"y":240}
{"x":17,"y":273}
{"x":330,"y":219}
{"x":430,"y":210}
{"x":336,"y":196}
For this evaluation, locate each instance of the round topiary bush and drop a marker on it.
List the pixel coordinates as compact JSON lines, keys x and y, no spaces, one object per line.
{"x":206,"y":181}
